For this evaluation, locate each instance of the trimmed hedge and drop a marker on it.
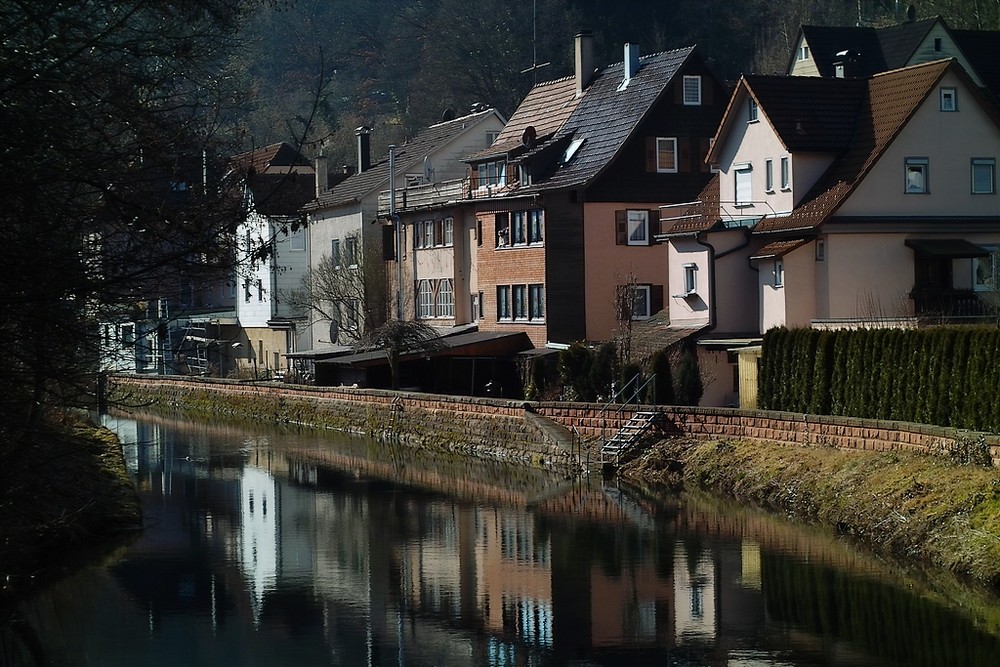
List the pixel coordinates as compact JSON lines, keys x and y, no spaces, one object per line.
{"x":948,"y":376}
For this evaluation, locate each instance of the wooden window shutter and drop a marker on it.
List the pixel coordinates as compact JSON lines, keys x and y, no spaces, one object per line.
{"x":704,"y":144}
{"x":684,"y":154}
{"x":707,"y":89}
{"x":651,"y":154}
{"x":388,"y":243}
{"x":654,"y":224}
{"x":621,"y":228}
{"x":655,"y":299}
{"x":678,"y":89}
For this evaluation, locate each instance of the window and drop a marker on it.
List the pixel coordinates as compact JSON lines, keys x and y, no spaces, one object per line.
{"x":803,"y":51}
{"x":768,"y":175}
{"x":786,"y":175}
{"x":246,"y":290}
{"x":690,"y":279}
{"x":297,"y":240}
{"x":351,"y":251}
{"x":779,"y":273}
{"x":983,"y":176}
{"x":503,"y":229}
{"x":820,"y":250}
{"x":491,"y":136}
{"x":260,"y":290}
{"x":692,"y":91}
{"x":519,"y":227}
{"x":536,"y":226}
{"x":916,"y":175}
{"x":492,"y":173}
{"x":503,"y":302}
{"x":937,"y":44}
{"x":425,"y":300}
{"x":751,"y":110}
{"x":666,"y":155}
{"x":445,"y":299}
{"x":638,"y":227}
{"x":449,"y":231}
{"x":335,"y":253}
{"x":520,"y":294}
{"x":351,"y":314}
{"x":479,"y":232}
{"x":480,"y":313}
{"x":536,"y":302}
{"x":949,"y":99}
{"x":641,"y":305}
{"x":743,"y":185}
{"x":985,"y":271}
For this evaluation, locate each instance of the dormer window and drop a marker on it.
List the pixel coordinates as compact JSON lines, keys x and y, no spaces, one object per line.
{"x":492,"y":173}
{"x":949,"y":99}
{"x":803,"y":51}
{"x":751,"y":110}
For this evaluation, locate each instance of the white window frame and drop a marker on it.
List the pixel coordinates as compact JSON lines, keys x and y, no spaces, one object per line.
{"x":692,"y":90}
{"x":803,"y":51}
{"x":913,"y":166}
{"x":335,"y":253}
{"x":642,"y":303}
{"x":786,"y":173}
{"x":519,"y":228}
{"x":672,"y":143}
{"x":989,"y":164}
{"x":637,"y":227}
{"x":769,"y":175}
{"x":949,"y":99}
{"x":743,"y":185}
{"x":425,"y":300}
{"x":444,"y":303}
{"x":753,"y":113}
{"x":449,"y":231}
{"x":779,"y":272}
{"x":690,"y":278}
{"x":536,"y":226}
{"x":351,"y":251}
{"x":352,"y":314}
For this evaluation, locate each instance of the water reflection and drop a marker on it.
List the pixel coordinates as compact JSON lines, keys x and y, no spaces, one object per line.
{"x":291,"y":548}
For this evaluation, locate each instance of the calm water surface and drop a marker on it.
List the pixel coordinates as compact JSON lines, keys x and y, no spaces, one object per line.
{"x":297,"y":548}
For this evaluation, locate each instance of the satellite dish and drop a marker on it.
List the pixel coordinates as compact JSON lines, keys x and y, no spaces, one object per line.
{"x":449,"y":114}
{"x":529,"y":136}
{"x":428,"y":169}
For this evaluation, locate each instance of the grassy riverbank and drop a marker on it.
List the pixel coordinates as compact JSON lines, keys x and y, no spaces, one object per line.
{"x":921,"y":508}
{"x":62,"y":490}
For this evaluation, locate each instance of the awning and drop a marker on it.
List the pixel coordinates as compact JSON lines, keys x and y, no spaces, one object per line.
{"x":954,"y":248}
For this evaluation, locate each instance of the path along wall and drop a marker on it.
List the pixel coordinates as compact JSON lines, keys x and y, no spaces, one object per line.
{"x":511,"y":429}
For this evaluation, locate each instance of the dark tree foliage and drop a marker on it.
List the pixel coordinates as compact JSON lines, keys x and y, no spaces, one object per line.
{"x":574,"y":372}
{"x":603,"y":371}
{"x":661,"y":390}
{"x":689,"y":385}
{"x":109,"y":115}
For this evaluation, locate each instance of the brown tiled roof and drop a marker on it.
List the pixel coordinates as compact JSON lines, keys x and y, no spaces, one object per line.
{"x":778,"y":248}
{"x":545,"y":108}
{"x":407,"y":156}
{"x":889,"y":102}
{"x":701,"y":217}
{"x":261,"y":160}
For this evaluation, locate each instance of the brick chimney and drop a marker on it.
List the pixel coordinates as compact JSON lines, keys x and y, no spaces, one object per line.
{"x":364,"y":148}
{"x":584,"y":41}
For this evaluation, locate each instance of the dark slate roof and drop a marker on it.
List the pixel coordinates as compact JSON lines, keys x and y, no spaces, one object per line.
{"x":889,"y":102}
{"x":607,"y":116}
{"x":809,"y":114}
{"x":876,"y":49}
{"x":408,"y":155}
{"x":545,"y":108}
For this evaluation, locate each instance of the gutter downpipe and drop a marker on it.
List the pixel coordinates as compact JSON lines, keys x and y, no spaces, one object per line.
{"x":398,"y":229}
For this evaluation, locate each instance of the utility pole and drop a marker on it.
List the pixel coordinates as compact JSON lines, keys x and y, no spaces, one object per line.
{"x":398,"y":229}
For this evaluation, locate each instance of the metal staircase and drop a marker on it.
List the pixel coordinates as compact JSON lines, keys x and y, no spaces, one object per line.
{"x":631,"y":434}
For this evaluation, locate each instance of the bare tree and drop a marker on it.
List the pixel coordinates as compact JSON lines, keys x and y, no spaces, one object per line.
{"x":398,"y":337}
{"x":625,"y":302}
{"x":349,"y":290}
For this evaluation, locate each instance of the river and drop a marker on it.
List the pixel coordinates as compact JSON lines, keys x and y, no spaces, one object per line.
{"x":282,"y":546}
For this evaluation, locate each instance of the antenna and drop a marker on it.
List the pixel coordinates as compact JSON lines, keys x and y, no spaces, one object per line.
{"x":535,"y":65}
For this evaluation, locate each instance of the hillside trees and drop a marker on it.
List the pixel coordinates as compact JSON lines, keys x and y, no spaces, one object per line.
{"x":109,"y":115}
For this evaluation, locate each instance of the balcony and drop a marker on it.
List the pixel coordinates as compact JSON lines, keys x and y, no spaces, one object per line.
{"x":424,"y":195}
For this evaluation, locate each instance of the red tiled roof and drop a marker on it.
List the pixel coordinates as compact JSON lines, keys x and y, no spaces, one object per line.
{"x":261,"y":160}
{"x":778,"y":248}
{"x":699,"y":217}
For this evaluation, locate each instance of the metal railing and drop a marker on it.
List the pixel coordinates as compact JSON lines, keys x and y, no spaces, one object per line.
{"x":633,"y":398}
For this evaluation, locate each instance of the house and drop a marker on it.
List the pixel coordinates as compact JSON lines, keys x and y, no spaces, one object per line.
{"x":346,"y":231}
{"x":566,"y":198}
{"x":275,"y":182}
{"x":845,"y":202}
{"x":860,"y":52}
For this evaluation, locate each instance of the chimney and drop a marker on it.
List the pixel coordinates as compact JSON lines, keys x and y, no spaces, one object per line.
{"x":584,"y":60}
{"x":364,"y":135}
{"x":845,"y":64}
{"x":321,"y":173}
{"x":631,"y":62}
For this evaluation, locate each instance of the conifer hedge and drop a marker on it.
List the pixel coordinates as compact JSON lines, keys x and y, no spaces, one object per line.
{"x":948,"y":376}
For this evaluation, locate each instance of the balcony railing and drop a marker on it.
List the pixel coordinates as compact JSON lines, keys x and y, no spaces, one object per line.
{"x":949,"y":304}
{"x":425,"y":195}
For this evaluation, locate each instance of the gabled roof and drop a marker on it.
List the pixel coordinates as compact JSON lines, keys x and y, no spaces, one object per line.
{"x":269,"y":159}
{"x":407,"y":156}
{"x":981,"y":48}
{"x":545,"y":108}
{"x":279,"y":177}
{"x":608,"y":114}
{"x":875,"y":49}
{"x":887,"y":104}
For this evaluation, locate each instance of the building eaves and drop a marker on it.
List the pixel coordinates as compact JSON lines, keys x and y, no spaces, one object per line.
{"x":891,"y":99}
{"x":825,"y":42}
{"x":701,"y":216}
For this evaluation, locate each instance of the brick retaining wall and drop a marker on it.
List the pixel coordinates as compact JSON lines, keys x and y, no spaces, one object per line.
{"x":498,"y":428}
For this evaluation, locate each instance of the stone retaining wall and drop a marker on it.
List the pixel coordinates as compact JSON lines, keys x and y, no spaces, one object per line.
{"x":498,"y":428}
